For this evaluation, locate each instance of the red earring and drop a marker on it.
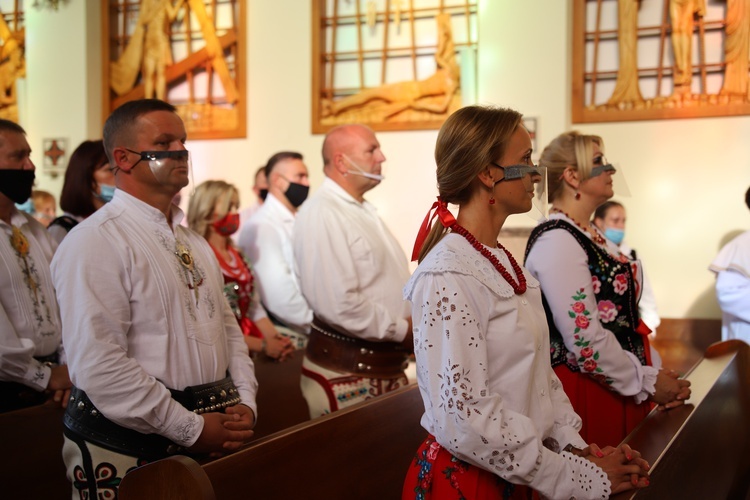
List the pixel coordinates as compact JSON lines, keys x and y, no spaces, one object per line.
{"x":492,"y":200}
{"x":578,"y":195}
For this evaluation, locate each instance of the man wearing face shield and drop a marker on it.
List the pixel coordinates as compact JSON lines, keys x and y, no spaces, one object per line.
{"x":30,"y":333}
{"x":351,"y":272}
{"x":156,"y":356}
{"x":266,"y":239}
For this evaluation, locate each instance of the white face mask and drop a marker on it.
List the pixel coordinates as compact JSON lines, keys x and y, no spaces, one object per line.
{"x":360,"y":172}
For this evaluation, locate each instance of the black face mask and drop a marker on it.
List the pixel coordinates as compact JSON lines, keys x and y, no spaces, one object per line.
{"x":296,"y":193}
{"x":263,"y":193}
{"x":16,"y":184}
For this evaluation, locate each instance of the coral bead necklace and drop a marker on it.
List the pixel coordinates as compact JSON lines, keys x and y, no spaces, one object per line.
{"x":598,"y":238}
{"x":520,"y":287}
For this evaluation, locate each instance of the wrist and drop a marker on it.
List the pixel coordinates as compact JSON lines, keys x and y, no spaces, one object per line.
{"x":572,"y":449}
{"x":263,"y":346}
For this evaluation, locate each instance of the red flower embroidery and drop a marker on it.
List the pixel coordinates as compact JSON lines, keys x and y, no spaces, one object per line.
{"x":432,"y":451}
{"x":579,"y":307}
{"x":582,"y":322}
{"x":597,"y":284}
{"x":620,"y":283}
{"x":589,"y":365}
{"x":607,"y":311}
{"x":587,"y":352}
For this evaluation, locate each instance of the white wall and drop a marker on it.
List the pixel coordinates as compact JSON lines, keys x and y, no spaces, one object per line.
{"x":688,"y":177}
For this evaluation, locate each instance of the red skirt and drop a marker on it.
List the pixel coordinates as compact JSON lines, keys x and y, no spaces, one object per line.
{"x":607,"y":416}
{"x":435,"y":474}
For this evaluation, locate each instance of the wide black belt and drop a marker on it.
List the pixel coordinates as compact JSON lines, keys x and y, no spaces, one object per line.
{"x":331,"y":348}
{"x":85,"y":420}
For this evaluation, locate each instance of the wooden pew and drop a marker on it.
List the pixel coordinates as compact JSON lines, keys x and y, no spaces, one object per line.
{"x":702,"y":450}
{"x":682,"y":342}
{"x":360,"y":452}
{"x":31,"y":439}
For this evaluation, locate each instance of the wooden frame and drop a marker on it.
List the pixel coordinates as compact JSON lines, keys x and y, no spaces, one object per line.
{"x":413,"y":113}
{"x":701,"y":101}
{"x":206,"y":85}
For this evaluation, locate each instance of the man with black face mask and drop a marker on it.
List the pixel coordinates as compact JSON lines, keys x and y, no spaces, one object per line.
{"x":266,"y":239}
{"x":30,"y":334}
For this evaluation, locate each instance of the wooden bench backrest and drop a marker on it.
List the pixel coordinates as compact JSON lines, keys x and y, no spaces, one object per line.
{"x":361,"y":452}
{"x":700,"y":450}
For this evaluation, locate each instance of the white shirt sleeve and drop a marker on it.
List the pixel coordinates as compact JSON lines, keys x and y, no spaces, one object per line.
{"x":466,"y":416}
{"x":277,"y":284}
{"x":733,"y":293}
{"x":17,"y":363}
{"x":561,"y":266}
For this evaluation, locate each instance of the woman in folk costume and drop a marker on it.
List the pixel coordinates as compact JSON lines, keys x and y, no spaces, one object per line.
{"x":499,"y":423}
{"x":212,"y":213}
{"x":599,"y":345}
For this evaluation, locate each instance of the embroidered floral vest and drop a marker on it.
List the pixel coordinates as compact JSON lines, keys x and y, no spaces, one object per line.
{"x":614,"y":290}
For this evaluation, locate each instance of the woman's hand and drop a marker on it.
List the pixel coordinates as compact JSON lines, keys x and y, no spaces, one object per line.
{"x":670,"y":390}
{"x":624,"y":467}
{"x":278,"y":347}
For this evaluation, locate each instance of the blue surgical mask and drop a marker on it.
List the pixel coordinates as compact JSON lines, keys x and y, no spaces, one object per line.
{"x":614,"y":235}
{"x":107,"y":192}
{"x":27,"y":206}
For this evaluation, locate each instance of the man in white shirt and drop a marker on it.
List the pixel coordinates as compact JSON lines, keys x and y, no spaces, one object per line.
{"x":351,"y":271}
{"x":267,"y":241}
{"x":732,"y":268}
{"x":156,"y":356}
{"x":30,"y":335}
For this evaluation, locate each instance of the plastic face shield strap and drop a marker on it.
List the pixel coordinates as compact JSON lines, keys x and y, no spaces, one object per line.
{"x":157,"y":159}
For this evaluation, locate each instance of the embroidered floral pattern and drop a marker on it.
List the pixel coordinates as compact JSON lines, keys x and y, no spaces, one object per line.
{"x":457,"y":393}
{"x":597,"y":284}
{"x":105,"y":477}
{"x":32,"y":280}
{"x":620,"y":284}
{"x":607,"y":311}
{"x":587,"y":356}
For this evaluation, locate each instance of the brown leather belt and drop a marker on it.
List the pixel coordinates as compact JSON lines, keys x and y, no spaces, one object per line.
{"x":330,"y":348}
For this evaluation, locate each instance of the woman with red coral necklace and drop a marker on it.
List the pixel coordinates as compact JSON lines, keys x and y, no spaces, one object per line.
{"x":213,"y":214}
{"x":499,"y":422}
{"x":600,"y":346}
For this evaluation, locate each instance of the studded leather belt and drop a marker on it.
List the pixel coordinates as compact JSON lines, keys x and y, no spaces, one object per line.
{"x":331,"y":348}
{"x":83,"y":419}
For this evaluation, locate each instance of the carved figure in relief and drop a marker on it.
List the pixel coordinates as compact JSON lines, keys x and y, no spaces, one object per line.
{"x":147,"y":51}
{"x":737,"y":50}
{"x":627,"y":94}
{"x":401,"y":96}
{"x":12,"y":67}
{"x":682,"y":14}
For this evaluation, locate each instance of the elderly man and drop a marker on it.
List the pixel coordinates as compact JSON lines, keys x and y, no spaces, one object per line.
{"x":266,"y":239}
{"x":30,"y":332}
{"x":156,"y":357}
{"x":351,"y":272}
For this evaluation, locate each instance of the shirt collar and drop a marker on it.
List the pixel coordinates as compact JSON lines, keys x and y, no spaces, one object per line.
{"x":333,"y":187}
{"x":128,"y":201}
{"x":275,"y":205}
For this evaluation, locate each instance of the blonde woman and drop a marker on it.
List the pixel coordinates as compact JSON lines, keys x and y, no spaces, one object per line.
{"x":212,"y":213}
{"x":599,"y":345}
{"x":498,"y":420}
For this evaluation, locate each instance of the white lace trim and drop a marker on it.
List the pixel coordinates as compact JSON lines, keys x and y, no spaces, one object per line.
{"x":648,"y":385}
{"x":453,"y":254}
{"x":589,"y":480}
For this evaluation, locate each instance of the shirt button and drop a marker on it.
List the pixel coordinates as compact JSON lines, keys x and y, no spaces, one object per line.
{"x":542,"y":392}
{"x":539,"y":347}
{"x":523,"y":301}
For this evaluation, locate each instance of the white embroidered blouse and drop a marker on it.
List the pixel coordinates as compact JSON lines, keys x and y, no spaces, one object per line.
{"x":483,"y":367}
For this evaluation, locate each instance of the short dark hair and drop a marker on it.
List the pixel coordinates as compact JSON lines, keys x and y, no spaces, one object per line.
{"x":601,"y":210}
{"x":9,"y":126}
{"x":117,"y":126}
{"x":77,"y":192}
{"x":747,"y":197}
{"x":283,"y":155}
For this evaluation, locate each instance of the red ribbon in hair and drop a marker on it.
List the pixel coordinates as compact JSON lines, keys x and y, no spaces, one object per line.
{"x":446,"y":219}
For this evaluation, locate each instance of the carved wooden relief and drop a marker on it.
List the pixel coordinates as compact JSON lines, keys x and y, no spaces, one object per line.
{"x":12,"y":58}
{"x":655,"y":59}
{"x":190,"y":53}
{"x":392,"y":64}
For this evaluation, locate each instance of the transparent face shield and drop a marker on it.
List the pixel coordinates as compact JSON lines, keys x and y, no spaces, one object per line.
{"x":534,"y":180}
{"x":619,"y":184}
{"x":161,"y":164}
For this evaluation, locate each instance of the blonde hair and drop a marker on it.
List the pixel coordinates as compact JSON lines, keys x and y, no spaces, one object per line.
{"x":207,"y":196}
{"x":469,"y":140}
{"x":38,"y":197}
{"x":571,"y":149}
